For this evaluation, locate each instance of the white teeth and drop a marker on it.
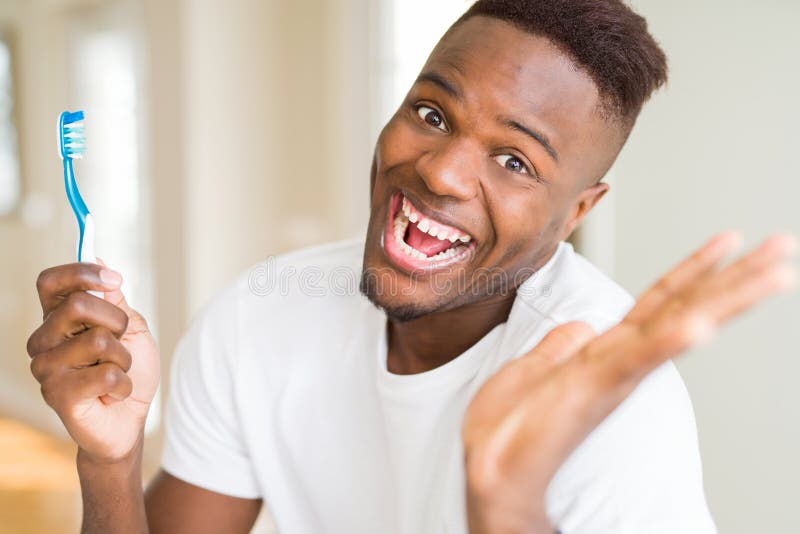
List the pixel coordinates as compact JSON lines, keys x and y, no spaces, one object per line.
{"x":409,"y":214}
{"x":401,"y":224}
{"x":449,"y":253}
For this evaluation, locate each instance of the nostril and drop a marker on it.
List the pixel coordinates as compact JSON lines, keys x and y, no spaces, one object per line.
{"x":445,"y":177}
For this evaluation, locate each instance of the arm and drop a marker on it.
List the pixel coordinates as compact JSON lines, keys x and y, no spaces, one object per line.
{"x":98,"y":367}
{"x":177,"y":507}
{"x":113,"y":502}
{"x":112,"y":495}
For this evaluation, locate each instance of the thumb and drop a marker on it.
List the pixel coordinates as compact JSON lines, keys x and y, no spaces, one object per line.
{"x":116,"y":296}
{"x":562,"y":342}
{"x":136,"y":323}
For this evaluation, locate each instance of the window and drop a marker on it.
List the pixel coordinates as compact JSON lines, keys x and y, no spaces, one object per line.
{"x":9,"y":156}
{"x":412,"y":28}
{"x":105,"y":45}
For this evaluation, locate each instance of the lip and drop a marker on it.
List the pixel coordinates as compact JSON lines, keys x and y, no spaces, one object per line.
{"x":403,"y":261}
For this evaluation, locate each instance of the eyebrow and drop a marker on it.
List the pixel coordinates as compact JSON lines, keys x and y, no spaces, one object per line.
{"x":538,"y":136}
{"x":456,"y":93}
{"x":446,"y":86}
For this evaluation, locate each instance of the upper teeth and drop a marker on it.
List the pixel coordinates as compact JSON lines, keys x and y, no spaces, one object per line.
{"x":431,"y":227}
{"x":401,"y":223}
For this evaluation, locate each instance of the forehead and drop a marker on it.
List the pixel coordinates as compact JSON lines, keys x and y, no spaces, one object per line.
{"x":502,"y":69}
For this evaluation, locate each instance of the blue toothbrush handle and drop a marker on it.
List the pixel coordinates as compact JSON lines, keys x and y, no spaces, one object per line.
{"x":85,"y":247}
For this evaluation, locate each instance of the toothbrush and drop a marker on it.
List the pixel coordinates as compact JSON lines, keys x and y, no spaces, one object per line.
{"x":72,"y":145}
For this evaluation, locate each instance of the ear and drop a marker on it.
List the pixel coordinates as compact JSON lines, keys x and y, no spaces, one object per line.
{"x":583,"y":204}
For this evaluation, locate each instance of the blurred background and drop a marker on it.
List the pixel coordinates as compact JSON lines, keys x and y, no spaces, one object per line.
{"x":222,"y":132}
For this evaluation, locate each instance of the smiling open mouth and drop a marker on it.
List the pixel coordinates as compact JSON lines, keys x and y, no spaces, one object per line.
{"x":417,"y":241}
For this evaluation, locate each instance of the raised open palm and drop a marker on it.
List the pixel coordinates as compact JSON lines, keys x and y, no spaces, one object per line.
{"x":525,"y":421}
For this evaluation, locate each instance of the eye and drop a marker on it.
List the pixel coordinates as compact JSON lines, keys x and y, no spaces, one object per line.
{"x":511,"y":163}
{"x":432,"y":117}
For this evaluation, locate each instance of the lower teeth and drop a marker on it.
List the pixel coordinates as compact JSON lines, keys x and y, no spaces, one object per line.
{"x":400,"y":227}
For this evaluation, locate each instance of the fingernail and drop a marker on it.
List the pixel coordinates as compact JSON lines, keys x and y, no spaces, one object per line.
{"x":728,"y":240}
{"x":110,"y":278}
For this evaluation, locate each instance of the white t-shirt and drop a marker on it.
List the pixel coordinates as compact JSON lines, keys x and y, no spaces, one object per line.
{"x":280,"y":390}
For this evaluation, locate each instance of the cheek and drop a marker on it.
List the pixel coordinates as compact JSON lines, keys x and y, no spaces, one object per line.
{"x":519,"y":212}
{"x":399,"y":143}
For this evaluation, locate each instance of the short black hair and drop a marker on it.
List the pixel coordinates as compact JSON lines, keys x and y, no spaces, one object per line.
{"x":605,"y":38}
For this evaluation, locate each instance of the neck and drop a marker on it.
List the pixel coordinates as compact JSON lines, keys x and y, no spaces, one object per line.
{"x":433,"y":340}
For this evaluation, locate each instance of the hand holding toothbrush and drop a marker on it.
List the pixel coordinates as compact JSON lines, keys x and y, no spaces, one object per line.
{"x":93,"y":354}
{"x":95,"y":359}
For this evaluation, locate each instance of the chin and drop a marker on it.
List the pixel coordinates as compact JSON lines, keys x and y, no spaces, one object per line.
{"x":399,"y":304}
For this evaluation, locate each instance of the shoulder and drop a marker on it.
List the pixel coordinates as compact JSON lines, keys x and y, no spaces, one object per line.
{"x":569,"y":288}
{"x":640,"y":469}
{"x":296,"y":272}
{"x":280,"y":296}
{"x":310,"y":278}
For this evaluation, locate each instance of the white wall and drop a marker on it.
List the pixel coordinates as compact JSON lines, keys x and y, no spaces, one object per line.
{"x":278,"y":130}
{"x":263,"y":116}
{"x":32,"y":238}
{"x":718,"y":149}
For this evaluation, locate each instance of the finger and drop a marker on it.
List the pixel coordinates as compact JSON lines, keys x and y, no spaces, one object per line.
{"x":67,"y":393}
{"x":78,"y":312}
{"x":755,"y":276}
{"x":630,"y":351}
{"x":695,"y":266}
{"x":115,"y":296}
{"x":562,"y":342}
{"x":621,"y":357}
{"x":775,"y":249}
{"x":54,"y":284}
{"x":736,"y":298}
{"x":136,"y":322}
{"x":692,"y":316}
{"x":96,"y":345}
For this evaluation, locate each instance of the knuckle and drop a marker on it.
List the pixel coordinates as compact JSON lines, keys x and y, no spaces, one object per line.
{"x":50,"y":393}
{"x":99,"y":339}
{"x":695,"y":328}
{"x":681,"y":333}
{"x":127,"y":360}
{"x":45,"y":280}
{"x":123,"y":321}
{"x":88,"y":271}
{"x":37,"y":368}
{"x":111,"y":375}
{"x":577,"y":332}
{"x":75,"y":305}
{"x":32,"y":346}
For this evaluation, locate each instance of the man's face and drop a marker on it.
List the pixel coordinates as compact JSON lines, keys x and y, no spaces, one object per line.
{"x":489,"y":162}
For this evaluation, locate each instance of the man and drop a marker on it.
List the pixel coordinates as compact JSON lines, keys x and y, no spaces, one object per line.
{"x":475,"y":395}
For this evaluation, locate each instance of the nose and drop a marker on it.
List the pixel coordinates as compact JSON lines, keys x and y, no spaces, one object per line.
{"x":451,"y":169}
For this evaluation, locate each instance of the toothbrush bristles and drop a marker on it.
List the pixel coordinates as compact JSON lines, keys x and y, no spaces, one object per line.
{"x":74,"y":137}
